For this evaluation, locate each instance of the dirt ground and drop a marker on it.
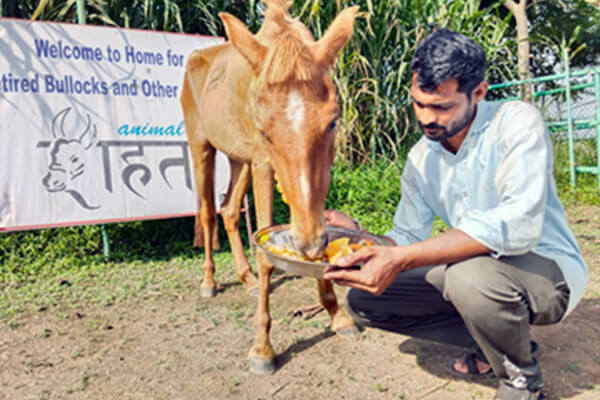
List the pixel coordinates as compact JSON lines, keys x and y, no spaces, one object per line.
{"x":186,"y":347}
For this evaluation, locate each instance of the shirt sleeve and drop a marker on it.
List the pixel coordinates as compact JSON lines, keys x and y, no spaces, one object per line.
{"x":524,"y":170}
{"x":413,"y":218}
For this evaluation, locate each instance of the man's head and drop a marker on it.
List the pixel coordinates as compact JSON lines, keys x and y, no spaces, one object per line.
{"x":444,"y":55}
{"x":447,"y":82}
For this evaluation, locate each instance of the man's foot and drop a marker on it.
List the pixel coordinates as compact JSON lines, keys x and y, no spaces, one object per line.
{"x":471,"y":366}
{"x":476,"y":364}
{"x":481,"y":367}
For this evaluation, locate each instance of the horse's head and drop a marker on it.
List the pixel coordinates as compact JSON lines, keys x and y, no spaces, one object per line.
{"x":293,"y":103}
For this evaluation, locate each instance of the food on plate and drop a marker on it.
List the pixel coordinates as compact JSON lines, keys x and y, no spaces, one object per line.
{"x":338,"y":248}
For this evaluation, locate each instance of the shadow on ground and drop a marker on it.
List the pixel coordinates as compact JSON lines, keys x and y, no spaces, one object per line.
{"x":301,"y":345}
{"x":570,"y":353}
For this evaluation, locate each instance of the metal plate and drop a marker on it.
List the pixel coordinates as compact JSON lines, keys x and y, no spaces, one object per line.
{"x":279,"y":235}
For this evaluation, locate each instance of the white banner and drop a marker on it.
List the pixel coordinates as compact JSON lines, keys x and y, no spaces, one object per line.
{"x":91,"y":128}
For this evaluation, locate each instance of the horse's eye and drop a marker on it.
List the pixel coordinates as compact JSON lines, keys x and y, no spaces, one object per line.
{"x":332,"y":125}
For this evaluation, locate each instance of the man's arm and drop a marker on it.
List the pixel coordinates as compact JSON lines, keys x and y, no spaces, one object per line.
{"x":380,"y":264}
{"x":449,"y":247}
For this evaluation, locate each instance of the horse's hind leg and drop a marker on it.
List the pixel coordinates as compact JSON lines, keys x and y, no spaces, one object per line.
{"x":230,"y":212}
{"x":341,"y":322}
{"x":203,"y":156}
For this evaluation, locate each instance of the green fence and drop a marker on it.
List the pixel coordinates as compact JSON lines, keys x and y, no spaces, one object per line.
{"x":575,"y":98}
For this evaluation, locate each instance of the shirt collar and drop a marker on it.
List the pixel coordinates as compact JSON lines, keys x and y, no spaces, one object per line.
{"x":482,"y":118}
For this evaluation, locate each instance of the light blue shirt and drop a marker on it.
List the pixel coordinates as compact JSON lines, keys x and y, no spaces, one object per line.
{"x":498,"y":188}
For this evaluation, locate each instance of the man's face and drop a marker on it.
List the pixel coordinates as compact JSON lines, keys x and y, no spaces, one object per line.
{"x":443,"y":113}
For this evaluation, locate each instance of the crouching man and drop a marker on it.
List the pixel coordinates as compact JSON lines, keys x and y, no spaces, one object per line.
{"x":509,"y":259}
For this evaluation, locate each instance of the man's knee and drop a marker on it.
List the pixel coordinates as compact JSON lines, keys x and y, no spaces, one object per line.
{"x":357,"y":306}
{"x":468,"y":284}
{"x":352,"y":299}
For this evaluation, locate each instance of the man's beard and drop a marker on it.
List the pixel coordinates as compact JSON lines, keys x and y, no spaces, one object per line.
{"x":454,"y":128}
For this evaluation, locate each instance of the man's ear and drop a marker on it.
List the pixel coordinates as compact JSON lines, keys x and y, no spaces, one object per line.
{"x":479,"y":92}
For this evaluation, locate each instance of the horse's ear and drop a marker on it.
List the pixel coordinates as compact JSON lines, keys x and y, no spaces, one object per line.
{"x":335,"y":37}
{"x":244,"y":41}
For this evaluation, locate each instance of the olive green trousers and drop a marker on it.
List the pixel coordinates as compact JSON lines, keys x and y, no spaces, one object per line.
{"x":483,"y":301}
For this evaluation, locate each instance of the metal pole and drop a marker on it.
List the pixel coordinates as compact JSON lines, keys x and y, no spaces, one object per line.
{"x":81,"y":11}
{"x":539,"y":79}
{"x":105,"y":242}
{"x":569,"y":118}
{"x":597,"y":84}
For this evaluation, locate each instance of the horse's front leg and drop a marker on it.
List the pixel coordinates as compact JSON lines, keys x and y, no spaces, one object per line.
{"x":341,"y":322}
{"x":262,"y":355}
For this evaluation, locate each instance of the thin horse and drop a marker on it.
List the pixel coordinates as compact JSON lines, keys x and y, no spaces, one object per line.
{"x":268,"y":103}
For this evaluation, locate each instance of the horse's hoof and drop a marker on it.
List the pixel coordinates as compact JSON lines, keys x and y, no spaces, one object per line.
{"x":253,"y":291}
{"x":349,"y":332}
{"x":208,"y":291}
{"x":262,"y":366}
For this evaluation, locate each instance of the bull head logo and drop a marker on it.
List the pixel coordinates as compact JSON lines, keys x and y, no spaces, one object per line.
{"x":68,"y":156}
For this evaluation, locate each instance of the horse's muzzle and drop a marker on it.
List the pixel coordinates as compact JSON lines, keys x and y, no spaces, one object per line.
{"x":311,"y":250}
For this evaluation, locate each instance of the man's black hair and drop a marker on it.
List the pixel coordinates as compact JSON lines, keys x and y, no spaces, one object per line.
{"x":446,"y":54}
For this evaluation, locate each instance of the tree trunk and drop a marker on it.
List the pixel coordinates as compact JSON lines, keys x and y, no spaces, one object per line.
{"x":519,"y":10}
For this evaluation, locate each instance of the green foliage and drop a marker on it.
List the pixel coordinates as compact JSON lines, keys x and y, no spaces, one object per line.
{"x":28,"y":254}
{"x":564,"y":23}
{"x":553,"y":27}
{"x":587,"y":186}
{"x":368,"y":193}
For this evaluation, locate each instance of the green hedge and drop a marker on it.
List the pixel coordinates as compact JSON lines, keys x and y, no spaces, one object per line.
{"x":27,"y":254}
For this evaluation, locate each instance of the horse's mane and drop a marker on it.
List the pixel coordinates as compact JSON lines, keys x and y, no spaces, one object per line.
{"x":288,"y":57}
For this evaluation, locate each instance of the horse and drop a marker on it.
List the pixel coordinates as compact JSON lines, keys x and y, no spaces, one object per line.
{"x":268,"y":103}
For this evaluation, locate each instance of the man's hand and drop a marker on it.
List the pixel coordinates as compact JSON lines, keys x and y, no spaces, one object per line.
{"x":338,"y":218}
{"x":380,"y":265}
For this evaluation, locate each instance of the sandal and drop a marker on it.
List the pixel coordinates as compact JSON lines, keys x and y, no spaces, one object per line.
{"x":473,"y":371}
{"x":471,"y":362}
{"x":508,"y":392}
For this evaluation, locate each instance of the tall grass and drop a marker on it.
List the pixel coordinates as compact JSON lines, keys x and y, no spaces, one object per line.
{"x":372,"y":73}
